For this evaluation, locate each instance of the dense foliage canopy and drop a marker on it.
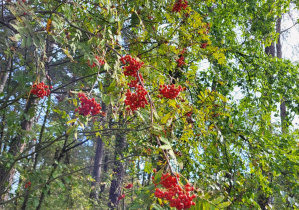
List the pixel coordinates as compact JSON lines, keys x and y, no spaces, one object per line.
{"x":131,"y":104}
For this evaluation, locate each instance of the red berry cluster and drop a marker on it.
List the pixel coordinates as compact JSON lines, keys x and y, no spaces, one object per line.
{"x":134,"y":83}
{"x":101,"y":62}
{"x":207,"y":28}
{"x":179,"y":5}
{"x":88,"y":106}
{"x":133,"y":67}
{"x":180,"y":61}
{"x":188,"y":114}
{"x":136,"y":100}
{"x":169,"y":91}
{"x":129,"y":186}
{"x":121,"y":197}
{"x":176,"y":195}
{"x":203,"y":45}
{"x":28,"y":184}
{"x":41,"y":90}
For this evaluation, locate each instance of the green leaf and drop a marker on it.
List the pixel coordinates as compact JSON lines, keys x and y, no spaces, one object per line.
{"x":16,"y":37}
{"x":218,"y":200}
{"x":158,"y":175}
{"x":36,"y":41}
{"x":35,"y":202}
{"x":23,"y":44}
{"x":111,"y":87}
{"x":166,"y":117}
{"x":165,"y":146}
{"x":136,"y":206}
{"x":223,"y":205}
{"x":157,"y":206}
{"x":71,"y":121}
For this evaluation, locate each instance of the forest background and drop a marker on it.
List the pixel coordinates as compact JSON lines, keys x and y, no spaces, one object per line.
{"x":139,"y":104}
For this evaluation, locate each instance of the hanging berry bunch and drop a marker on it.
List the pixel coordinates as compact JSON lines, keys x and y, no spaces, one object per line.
{"x":129,"y":186}
{"x":88,"y":106}
{"x":207,"y":29}
{"x":137,"y":99}
{"x":133,"y":67}
{"x":28,"y":184}
{"x":121,"y":197}
{"x":101,"y":62}
{"x":203,"y":45}
{"x":169,"y":91}
{"x":179,"y":197}
{"x":40,"y":90}
{"x":133,"y":83}
{"x":179,"y":5}
{"x":181,"y":60}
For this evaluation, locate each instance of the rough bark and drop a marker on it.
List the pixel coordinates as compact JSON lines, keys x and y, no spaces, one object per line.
{"x":99,"y":153}
{"x":97,"y":169}
{"x":4,"y":74}
{"x":118,"y":169}
{"x":105,"y":169}
{"x":278,"y":44}
{"x":283,"y":109}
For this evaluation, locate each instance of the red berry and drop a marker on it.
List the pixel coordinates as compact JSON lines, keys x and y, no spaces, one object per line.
{"x":179,"y":5}
{"x":100,"y":61}
{"x":133,"y":66}
{"x":136,"y":99}
{"x":40,"y":90}
{"x":176,"y":195}
{"x":129,"y":186}
{"x":88,"y":106}
{"x":121,"y":197}
{"x":203,"y":45}
{"x":169,"y":91}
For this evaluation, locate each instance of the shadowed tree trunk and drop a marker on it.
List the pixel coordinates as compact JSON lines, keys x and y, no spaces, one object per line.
{"x":105,"y":169}
{"x":4,"y":74}
{"x":118,"y":169}
{"x":97,"y":169}
{"x":283,"y":109}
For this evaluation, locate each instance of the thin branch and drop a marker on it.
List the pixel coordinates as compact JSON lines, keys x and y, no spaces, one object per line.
{"x":288,"y":28}
{"x":78,"y":80}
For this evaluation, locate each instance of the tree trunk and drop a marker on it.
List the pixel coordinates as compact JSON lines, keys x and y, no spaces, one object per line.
{"x":118,"y":169}
{"x":97,"y":169}
{"x":105,"y":169}
{"x":283,"y":109}
{"x":4,"y":74}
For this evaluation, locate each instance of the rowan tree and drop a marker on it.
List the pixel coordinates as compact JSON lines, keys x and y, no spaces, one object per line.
{"x":131,"y":104}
